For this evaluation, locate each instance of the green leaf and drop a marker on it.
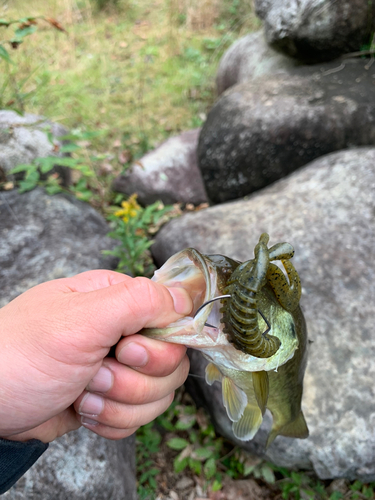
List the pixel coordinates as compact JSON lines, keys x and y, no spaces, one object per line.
{"x":179,"y":465}
{"x":356,"y":486}
{"x":336,"y":495}
{"x":20,"y":33}
{"x":26,"y":167}
{"x":26,"y":186}
{"x":69,"y":148}
{"x":268,"y":474}
{"x":248,"y":469}
{"x":53,"y":188}
{"x":183,"y":425}
{"x":4,"y":54}
{"x":203,"y":453}
{"x":216,"y":485}
{"x":209,"y":468}
{"x":4,"y":22}
{"x":46,"y":164}
{"x":177,"y":443}
{"x":195,"y":466}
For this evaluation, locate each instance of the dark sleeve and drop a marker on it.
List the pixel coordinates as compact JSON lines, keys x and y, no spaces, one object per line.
{"x":16,"y":458}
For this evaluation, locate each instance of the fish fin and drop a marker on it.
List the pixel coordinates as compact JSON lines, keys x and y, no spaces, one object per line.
{"x":261,"y":389}
{"x":296,"y":429}
{"x":213,"y":374}
{"x":234,"y":399}
{"x":248,"y":425}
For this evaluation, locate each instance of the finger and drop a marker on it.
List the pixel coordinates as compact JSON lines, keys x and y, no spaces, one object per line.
{"x":131,"y":387}
{"x":118,"y":415}
{"x":149,"y":356}
{"x":127,"y":307}
{"x":105,"y":431}
{"x":93,"y":280}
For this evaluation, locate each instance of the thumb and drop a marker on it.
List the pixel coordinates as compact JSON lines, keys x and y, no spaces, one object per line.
{"x":125,"y":308}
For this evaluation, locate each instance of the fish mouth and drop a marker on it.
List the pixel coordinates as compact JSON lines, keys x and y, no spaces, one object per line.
{"x":189,"y":270}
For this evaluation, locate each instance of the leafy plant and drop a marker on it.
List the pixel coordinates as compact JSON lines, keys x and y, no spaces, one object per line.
{"x":87,"y":185}
{"x":131,"y":225}
{"x":148,"y":441}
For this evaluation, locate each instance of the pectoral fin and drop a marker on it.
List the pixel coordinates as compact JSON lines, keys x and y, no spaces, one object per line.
{"x":213,"y":374}
{"x":248,"y":425}
{"x":234,"y":399}
{"x":297,"y":429}
{"x":261,"y":389}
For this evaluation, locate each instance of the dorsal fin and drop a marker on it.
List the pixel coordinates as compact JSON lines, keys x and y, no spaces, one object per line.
{"x":248,"y":425}
{"x":234,"y":399}
{"x":261,"y":389}
{"x":213,"y":374}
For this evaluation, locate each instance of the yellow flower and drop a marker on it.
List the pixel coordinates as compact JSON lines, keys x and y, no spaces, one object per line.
{"x":129,"y":208}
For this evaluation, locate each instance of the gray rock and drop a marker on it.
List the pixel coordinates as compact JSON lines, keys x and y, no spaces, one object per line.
{"x":169,"y":173}
{"x":24,"y":138}
{"x":41,"y":238}
{"x":248,"y":58}
{"x":327,"y":212}
{"x":83,"y":466}
{"x":46,"y":237}
{"x":317,"y":30}
{"x":261,"y":130}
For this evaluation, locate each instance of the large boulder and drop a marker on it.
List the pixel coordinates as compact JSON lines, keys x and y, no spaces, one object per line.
{"x":169,"y":173}
{"x":317,"y":30}
{"x":41,"y":238}
{"x":25,"y":138}
{"x":261,"y":130}
{"x":46,"y":237}
{"x":327,"y":212}
{"x":83,"y":466}
{"x":248,"y":58}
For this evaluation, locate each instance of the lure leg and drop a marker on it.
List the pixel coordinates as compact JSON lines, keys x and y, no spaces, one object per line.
{"x":288,"y":294}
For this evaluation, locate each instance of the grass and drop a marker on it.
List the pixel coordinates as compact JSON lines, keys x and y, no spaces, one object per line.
{"x":141,"y":69}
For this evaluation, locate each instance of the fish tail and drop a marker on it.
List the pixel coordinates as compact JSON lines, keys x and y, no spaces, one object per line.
{"x":296,"y":429}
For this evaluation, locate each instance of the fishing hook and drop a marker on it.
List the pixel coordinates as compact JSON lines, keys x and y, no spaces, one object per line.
{"x":220,"y":297}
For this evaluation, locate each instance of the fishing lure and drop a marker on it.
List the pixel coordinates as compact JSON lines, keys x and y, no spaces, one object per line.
{"x":240,"y":311}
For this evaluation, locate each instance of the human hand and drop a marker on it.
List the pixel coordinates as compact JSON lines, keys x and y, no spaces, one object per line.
{"x":54,"y":371}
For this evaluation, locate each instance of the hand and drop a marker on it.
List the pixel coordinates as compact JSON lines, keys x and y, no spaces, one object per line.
{"x":54,"y":371}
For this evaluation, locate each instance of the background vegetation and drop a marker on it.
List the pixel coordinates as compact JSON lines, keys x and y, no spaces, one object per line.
{"x":122,"y":76}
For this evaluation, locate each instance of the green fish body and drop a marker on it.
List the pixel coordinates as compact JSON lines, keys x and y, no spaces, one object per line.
{"x":256,"y":340}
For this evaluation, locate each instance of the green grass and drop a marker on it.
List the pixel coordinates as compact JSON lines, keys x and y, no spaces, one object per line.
{"x":139,"y":69}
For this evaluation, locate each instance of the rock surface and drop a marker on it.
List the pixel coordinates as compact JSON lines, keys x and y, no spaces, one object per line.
{"x":169,"y":173}
{"x":327,"y":212}
{"x":83,"y":466}
{"x":317,"y":30}
{"x":24,"y":138}
{"x":261,"y":130}
{"x":41,"y":238}
{"x":46,"y":237}
{"x":248,"y":58}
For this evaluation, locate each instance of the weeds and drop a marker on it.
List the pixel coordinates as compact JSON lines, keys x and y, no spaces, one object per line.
{"x":131,"y":226}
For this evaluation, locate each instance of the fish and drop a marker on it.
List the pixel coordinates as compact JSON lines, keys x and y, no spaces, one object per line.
{"x":247,"y":322}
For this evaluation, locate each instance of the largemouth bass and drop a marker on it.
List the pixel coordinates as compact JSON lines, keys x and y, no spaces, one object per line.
{"x":255,"y":338}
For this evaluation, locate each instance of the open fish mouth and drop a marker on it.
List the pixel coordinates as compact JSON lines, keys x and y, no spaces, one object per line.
{"x":204,"y":277}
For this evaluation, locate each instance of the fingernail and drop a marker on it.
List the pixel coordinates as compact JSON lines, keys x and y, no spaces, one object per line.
{"x":102,"y":381}
{"x":133,"y":354}
{"x":91,"y":405}
{"x":181,"y":300}
{"x":88,"y":422}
